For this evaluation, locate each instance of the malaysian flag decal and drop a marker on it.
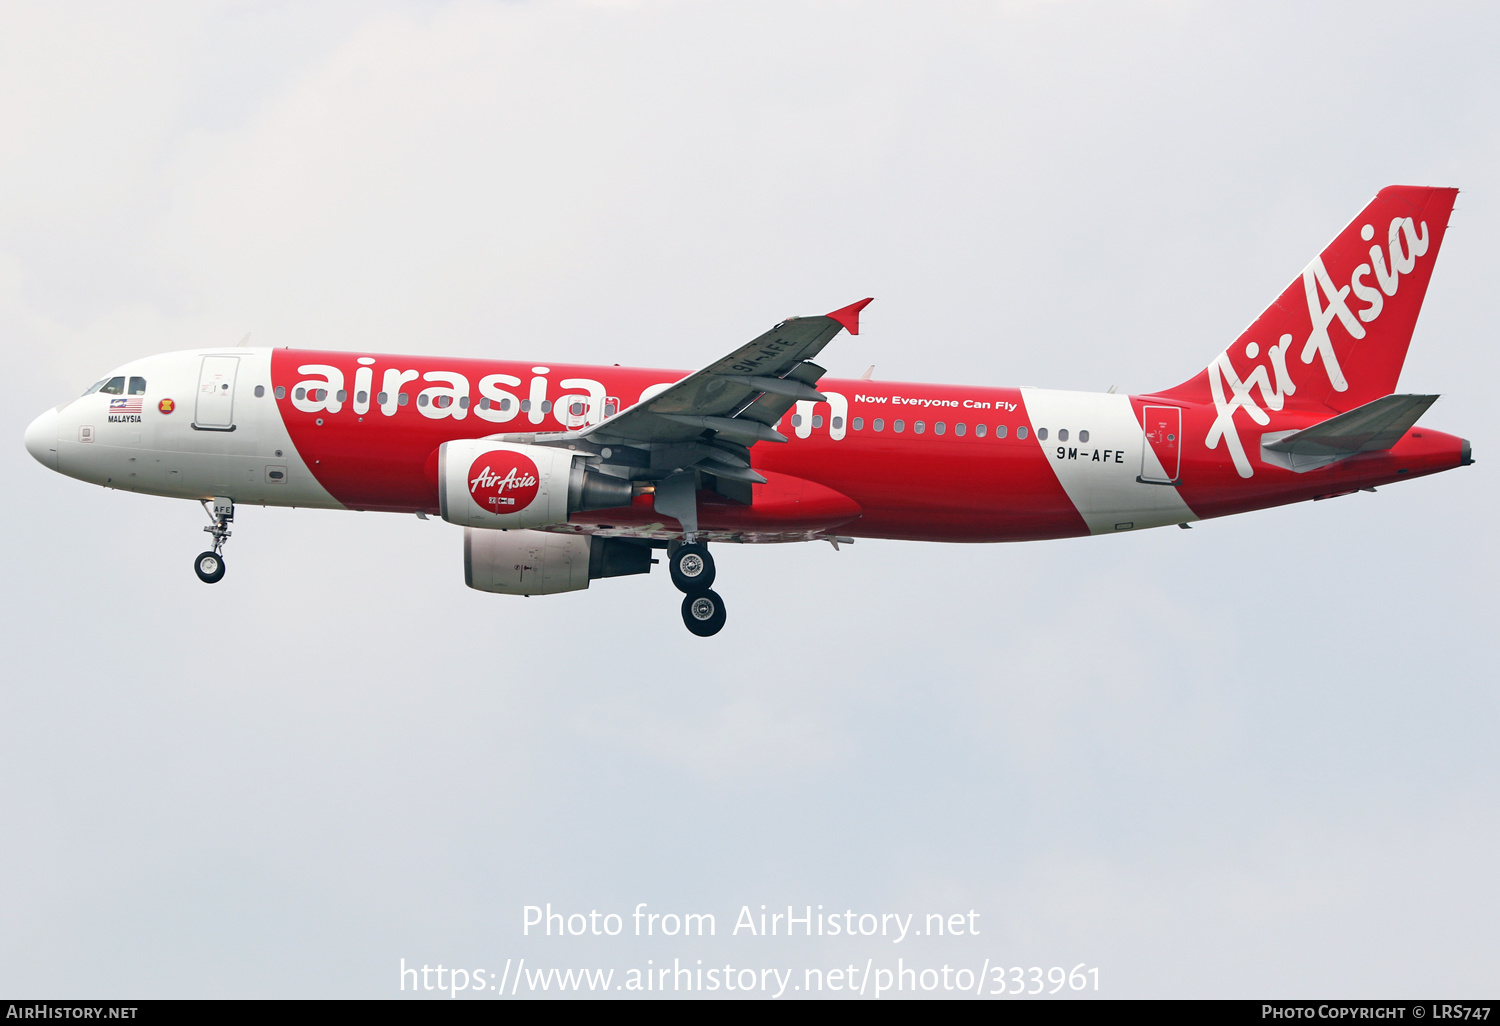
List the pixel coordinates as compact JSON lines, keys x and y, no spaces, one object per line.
{"x":130,"y":405}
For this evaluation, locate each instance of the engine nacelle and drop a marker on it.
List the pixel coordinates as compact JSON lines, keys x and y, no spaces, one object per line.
{"x":544,"y":563}
{"x":509,"y":485}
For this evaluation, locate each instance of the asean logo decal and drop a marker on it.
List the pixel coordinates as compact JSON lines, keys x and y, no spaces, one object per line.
{"x":503,"y":482}
{"x":166,"y":406}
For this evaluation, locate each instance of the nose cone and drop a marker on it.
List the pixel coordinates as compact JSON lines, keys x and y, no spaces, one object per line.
{"x":41,"y":439}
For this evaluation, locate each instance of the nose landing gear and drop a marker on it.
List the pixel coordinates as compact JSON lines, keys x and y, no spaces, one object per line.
{"x":692,"y":571}
{"x":209,"y":566}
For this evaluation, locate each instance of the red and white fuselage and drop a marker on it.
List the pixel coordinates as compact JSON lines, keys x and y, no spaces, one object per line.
{"x":1301,"y":406}
{"x":877,"y":460}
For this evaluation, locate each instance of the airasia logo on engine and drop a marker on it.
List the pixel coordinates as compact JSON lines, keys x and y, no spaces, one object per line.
{"x":503,"y":482}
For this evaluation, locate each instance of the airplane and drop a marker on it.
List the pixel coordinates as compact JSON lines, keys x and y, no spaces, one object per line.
{"x":564,"y":474}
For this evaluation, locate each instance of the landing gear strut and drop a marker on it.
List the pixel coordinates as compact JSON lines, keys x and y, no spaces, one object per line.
{"x":209,"y":566}
{"x":693,"y":573}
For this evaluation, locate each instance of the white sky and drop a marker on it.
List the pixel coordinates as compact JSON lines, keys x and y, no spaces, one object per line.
{"x":1253,"y":759}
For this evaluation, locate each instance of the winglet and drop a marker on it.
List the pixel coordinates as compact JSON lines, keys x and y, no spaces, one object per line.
{"x":849,"y":315}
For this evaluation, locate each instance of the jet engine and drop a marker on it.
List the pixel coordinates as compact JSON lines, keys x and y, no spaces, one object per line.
{"x":543,"y":563}
{"x":484,"y":483}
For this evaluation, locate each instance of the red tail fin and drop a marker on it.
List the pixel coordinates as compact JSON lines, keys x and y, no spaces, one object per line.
{"x":1337,"y":337}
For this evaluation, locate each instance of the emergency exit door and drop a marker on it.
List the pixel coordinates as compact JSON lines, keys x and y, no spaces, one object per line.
{"x":215,"y":409}
{"x":1161,"y":456}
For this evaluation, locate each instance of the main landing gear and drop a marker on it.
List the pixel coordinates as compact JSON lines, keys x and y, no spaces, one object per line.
{"x":703,"y":613}
{"x":692,"y":567}
{"x":209,"y":566}
{"x":693,"y":573}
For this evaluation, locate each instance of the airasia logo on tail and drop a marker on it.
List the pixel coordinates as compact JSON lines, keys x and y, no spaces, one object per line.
{"x":503,"y":482}
{"x":1273,"y":377}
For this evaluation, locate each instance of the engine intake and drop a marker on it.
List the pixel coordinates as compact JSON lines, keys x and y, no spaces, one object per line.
{"x":508,"y":485}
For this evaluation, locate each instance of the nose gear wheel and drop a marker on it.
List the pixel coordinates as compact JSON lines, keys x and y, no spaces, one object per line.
{"x":209,"y":566}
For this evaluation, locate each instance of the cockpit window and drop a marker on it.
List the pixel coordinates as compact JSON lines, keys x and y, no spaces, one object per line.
{"x":114,"y":386}
{"x":137,"y":386}
{"x":96,"y":386}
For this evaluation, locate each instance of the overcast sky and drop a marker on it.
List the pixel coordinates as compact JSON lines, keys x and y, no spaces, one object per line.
{"x":1256,"y":758}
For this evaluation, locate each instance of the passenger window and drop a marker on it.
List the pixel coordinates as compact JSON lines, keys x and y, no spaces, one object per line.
{"x":361,"y":396}
{"x":137,"y":386}
{"x":380,"y":398}
{"x":463,"y":402}
{"x":260,"y":391}
{"x":525,"y":405}
{"x":960,"y":429}
{"x":858,"y":423}
{"x":422,"y":399}
{"x":979,"y":430}
{"x":114,"y":386}
{"x":1062,"y":434}
{"x":919,"y":426}
{"x":342,"y":396}
{"x":576,"y":409}
{"x":609,"y":409}
{"x":1083,"y":436}
{"x":1001,"y":431}
{"x":1041,"y":433}
{"x":939,"y":428}
{"x":1021,"y":431}
{"x":442,"y":402}
{"x":796,"y":420}
{"x":505,"y":404}
{"x":838,"y":422}
{"x":879,"y":424}
{"x":281,"y":391}
{"x":300,"y":394}
{"x":817,"y":421}
{"x":403,"y":398}
{"x":546,"y":405}
{"x":898,"y":426}
{"x":319,"y":395}
{"x":484,"y":404}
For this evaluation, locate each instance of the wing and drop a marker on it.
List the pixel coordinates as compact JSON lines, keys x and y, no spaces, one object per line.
{"x":735,"y":399}
{"x":697,"y":433}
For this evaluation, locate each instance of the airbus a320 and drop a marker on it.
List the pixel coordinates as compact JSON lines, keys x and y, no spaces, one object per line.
{"x":562,"y":474}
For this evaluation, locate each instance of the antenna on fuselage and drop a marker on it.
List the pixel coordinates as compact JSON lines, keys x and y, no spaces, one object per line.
{"x":241,"y":343}
{"x":868,"y":374}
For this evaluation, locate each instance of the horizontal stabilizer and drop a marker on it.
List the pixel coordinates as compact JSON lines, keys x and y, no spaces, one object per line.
{"x":1374,"y":427}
